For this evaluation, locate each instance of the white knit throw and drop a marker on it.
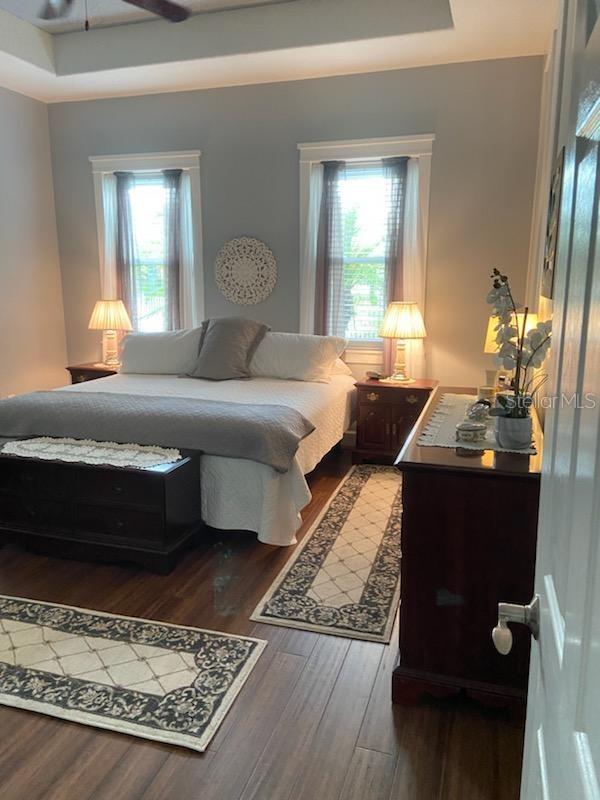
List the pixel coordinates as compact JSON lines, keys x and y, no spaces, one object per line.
{"x":87,"y":451}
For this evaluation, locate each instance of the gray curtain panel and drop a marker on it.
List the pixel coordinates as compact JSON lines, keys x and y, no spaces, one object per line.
{"x":172,"y":179}
{"x":395,"y":172}
{"x":330,"y":254}
{"x":126,"y":273}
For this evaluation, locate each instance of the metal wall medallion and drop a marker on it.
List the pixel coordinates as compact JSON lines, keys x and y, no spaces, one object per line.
{"x":245,"y":271}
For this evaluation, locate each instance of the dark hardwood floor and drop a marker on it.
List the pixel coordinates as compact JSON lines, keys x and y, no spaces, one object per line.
{"x":314,"y":721}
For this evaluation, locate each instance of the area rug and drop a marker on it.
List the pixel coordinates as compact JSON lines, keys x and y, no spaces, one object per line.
{"x":145,"y":678}
{"x":344,"y":578}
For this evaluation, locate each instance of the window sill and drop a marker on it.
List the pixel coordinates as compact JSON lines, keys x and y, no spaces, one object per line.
{"x":364,"y":353}
{"x":365,"y":344}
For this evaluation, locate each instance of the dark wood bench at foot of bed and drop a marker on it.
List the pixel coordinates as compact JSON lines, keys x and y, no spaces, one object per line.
{"x":102,"y":513}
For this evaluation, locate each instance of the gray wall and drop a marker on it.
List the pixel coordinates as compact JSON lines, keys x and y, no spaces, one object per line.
{"x":484,"y":115}
{"x":32,"y":334}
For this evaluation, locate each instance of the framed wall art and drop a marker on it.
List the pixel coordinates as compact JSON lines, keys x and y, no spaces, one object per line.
{"x":552,"y":226}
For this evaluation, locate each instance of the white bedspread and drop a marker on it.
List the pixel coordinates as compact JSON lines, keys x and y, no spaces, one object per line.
{"x":244,"y":495}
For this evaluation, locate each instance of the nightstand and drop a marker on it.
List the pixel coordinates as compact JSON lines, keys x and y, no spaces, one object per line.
{"x":386,"y":415}
{"x":80,"y":373}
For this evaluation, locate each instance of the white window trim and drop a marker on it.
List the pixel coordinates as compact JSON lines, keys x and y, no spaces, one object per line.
{"x":419,"y":146}
{"x":147,"y":162}
{"x":187,"y":160}
{"x":365,"y":149}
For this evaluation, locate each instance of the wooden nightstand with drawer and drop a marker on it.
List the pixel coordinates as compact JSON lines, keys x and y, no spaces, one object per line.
{"x":386,"y":415}
{"x":80,"y":373}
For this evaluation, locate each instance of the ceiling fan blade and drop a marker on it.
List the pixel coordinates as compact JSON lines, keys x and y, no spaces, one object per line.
{"x":164,"y":8}
{"x":54,"y":9}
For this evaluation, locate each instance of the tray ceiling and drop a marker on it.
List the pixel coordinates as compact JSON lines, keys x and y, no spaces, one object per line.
{"x":259,"y":42}
{"x":110,"y":13}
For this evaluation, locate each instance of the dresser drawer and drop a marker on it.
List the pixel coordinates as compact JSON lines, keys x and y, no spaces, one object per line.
{"x":408,"y":398}
{"x":119,"y":523}
{"x":119,"y":488}
{"x":16,"y":510}
{"x":31,"y":512}
{"x":15,"y":477}
{"x":65,"y":481}
{"x":27,"y":479}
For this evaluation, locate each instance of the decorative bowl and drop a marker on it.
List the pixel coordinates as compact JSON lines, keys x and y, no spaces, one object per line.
{"x":471,"y":431}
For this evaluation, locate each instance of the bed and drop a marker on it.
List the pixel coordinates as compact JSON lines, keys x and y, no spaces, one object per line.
{"x":239,"y":494}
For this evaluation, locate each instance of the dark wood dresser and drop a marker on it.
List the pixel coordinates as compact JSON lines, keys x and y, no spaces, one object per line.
{"x":101,"y":512}
{"x":469,"y":531}
{"x":386,"y":415}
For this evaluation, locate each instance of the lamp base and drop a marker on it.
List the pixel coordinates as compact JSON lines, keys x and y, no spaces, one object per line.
{"x":110,"y":349}
{"x":398,"y":377}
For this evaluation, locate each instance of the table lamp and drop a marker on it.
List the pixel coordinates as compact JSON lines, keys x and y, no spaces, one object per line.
{"x":110,"y":316}
{"x":492,"y":347}
{"x":402,"y":321}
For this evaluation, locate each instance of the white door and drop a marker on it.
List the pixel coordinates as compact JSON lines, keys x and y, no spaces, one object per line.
{"x":562,"y":742}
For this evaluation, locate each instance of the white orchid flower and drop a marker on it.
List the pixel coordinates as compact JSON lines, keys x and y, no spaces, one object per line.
{"x":535,"y":338}
{"x":505,"y":362}
{"x":507,"y":333}
{"x":509,"y":348}
{"x":537,"y":360}
{"x":516,"y":351}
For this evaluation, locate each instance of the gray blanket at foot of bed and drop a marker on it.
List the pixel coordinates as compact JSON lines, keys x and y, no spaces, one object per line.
{"x":269,"y":434}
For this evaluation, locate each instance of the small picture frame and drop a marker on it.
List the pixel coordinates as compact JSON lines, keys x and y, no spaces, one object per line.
{"x":552,"y":226}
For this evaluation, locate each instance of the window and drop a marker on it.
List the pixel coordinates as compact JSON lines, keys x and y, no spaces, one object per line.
{"x":364,"y":193}
{"x":149,"y":232}
{"x":360,"y":246}
{"x":373,"y":255}
{"x":148,"y":198}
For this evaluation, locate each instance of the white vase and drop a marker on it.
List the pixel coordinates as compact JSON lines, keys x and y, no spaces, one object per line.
{"x":514,"y":433}
{"x":491,"y":377}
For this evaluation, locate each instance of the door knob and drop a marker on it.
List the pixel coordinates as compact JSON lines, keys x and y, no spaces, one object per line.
{"x":510,"y":612}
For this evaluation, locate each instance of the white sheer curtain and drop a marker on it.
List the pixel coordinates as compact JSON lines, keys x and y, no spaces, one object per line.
{"x":414,"y":262}
{"x":188,"y":300}
{"x":308,"y":258}
{"x":108,"y":240}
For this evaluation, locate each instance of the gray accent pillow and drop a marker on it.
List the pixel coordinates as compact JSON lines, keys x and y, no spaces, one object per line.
{"x":226,"y":348}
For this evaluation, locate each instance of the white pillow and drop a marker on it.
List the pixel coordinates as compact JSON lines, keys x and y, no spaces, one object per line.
{"x":168,"y":353}
{"x":340,"y":368}
{"x":296,"y":356}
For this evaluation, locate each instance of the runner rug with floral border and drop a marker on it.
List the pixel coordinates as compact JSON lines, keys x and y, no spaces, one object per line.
{"x":344,"y":578}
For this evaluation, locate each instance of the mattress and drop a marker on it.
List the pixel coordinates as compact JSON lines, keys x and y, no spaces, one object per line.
{"x":238,"y":494}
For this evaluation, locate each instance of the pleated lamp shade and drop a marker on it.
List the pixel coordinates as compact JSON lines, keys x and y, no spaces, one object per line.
{"x":403,"y":321}
{"x":110,"y":315}
{"x":491,"y":345}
